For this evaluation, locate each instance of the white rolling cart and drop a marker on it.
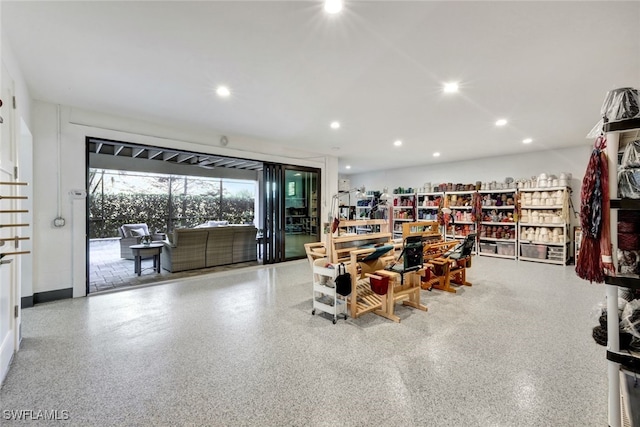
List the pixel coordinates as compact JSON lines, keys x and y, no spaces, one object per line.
{"x":325,"y":297}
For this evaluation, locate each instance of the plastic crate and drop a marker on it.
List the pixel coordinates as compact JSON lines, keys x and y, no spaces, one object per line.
{"x":533,"y":251}
{"x":488,"y":248}
{"x":506,"y":248}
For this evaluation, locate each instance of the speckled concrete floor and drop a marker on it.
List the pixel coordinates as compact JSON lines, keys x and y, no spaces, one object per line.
{"x":242,"y":348}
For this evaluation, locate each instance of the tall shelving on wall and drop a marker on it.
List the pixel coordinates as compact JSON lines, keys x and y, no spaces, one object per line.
{"x":313,"y":213}
{"x":296,"y":215}
{"x":461,"y":205}
{"x":363,"y":206}
{"x":428,"y":205}
{"x":403,"y":210}
{"x":544,"y":225}
{"x":498,"y":235}
{"x":619,"y":364}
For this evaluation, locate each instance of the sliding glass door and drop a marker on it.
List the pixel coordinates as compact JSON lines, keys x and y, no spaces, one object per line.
{"x":291,"y":214}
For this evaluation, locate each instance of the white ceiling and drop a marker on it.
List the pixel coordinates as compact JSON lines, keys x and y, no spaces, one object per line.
{"x":378,"y":68}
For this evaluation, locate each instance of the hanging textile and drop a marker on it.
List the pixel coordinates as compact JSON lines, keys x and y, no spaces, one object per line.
{"x":595,"y":251}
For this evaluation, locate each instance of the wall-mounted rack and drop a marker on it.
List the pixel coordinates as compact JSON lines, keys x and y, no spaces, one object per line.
{"x":15,"y":239}
{"x":3,"y":254}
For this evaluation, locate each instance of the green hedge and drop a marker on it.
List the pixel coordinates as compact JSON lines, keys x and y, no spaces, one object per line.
{"x":109,"y":211}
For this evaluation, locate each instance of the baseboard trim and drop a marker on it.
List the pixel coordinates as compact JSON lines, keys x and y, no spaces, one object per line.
{"x":49,"y":296}
{"x":26,"y":302}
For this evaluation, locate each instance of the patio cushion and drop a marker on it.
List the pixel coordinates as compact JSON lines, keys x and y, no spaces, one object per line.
{"x":135,"y":232}
{"x":191,"y":248}
{"x":126,"y":230}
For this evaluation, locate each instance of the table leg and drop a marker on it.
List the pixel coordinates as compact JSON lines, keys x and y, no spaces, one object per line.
{"x":138,"y":264}
{"x":156,"y":262}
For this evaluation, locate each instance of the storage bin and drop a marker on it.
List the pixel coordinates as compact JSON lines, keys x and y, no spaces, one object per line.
{"x":629,"y":183}
{"x":626,"y":227}
{"x":628,"y":241}
{"x":506,"y":248}
{"x":630,"y":393}
{"x":488,"y":248}
{"x":555,"y":257}
{"x":533,"y":251}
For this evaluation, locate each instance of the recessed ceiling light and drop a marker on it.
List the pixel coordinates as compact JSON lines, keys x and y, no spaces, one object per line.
{"x":501,"y":122}
{"x":332,"y":6}
{"x":223,"y":91}
{"x":397,"y":143}
{"x":527,"y":141}
{"x":451,"y":87}
{"x":335,"y":125}
{"x":348,"y":167}
{"x":436,"y":154}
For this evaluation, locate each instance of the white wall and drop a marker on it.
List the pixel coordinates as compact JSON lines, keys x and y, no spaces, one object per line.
{"x":60,"y":258}
{"x":21,"y":90}
{"x":573,"y":160}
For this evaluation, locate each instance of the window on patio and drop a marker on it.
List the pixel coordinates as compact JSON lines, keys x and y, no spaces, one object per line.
{"x":165,"y":202}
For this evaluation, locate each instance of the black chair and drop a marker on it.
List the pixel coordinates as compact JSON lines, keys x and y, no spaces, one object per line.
{"x":412,"y":257}
{"x":463,"y":249}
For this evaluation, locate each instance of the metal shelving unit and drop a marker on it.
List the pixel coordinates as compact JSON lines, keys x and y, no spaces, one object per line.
{"x":403,"y":210}
{"x":552,"y":246}
{"x":427,"y":205}
{"x":363,"y":206}
{"x":493,"y":200}
{"x":460,"y":203}
{"x":618,"y":133}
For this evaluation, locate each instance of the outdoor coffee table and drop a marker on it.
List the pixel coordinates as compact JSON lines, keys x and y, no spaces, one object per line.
{"x":139,"y":251}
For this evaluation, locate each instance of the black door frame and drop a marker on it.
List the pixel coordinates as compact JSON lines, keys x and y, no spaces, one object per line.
{"x":273,"y":214}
